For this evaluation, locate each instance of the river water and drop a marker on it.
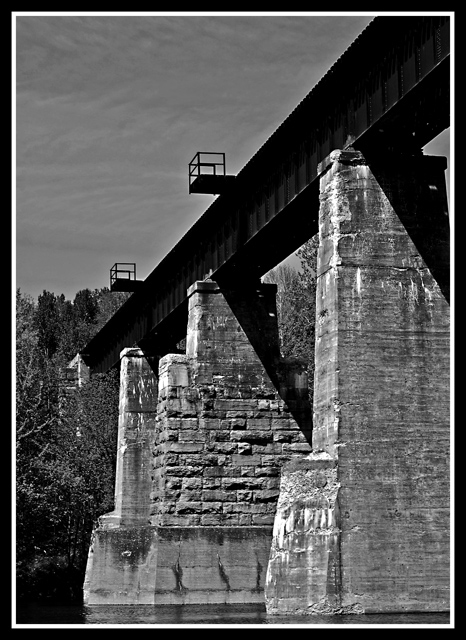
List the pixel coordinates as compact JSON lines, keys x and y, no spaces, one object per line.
{"x":34,"y":615}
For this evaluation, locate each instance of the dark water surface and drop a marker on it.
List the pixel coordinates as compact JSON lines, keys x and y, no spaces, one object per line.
{"x":203,"y":615}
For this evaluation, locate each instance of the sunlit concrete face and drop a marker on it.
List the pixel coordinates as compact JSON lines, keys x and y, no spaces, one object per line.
{"x":381,"y":399}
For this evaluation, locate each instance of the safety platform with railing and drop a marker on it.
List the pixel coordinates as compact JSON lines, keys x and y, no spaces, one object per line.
{"x":207,"y":173}
{"x":123,"y":277}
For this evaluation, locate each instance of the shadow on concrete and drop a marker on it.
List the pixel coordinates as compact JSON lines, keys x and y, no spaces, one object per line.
{"x":255,"y":309}
{"x":416,"y":188}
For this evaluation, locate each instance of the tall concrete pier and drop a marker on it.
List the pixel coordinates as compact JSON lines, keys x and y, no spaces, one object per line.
{"x":362,"y":525}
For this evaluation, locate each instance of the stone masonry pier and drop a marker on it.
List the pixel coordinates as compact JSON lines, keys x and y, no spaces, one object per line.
{"x":202,"y":438}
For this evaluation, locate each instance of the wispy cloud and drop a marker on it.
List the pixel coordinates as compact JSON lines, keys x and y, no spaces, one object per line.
{"x":111,"y":109}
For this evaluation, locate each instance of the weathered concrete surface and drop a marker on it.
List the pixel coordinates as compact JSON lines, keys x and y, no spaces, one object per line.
{"x":136,"y":425}
{"x":178,"y":565}
{"x":304,"y":570}
{"x":198,"y":479}
{"x":381,"y":399}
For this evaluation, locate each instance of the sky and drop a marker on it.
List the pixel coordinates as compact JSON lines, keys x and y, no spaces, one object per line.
{"x":109,"y":110}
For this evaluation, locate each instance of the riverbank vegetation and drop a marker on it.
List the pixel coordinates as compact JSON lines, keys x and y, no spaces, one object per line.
{"x":65,"y":443}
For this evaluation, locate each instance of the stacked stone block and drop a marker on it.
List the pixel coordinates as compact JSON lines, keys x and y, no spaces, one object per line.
{"x":223,"y":431}
{"x":202,"y":439}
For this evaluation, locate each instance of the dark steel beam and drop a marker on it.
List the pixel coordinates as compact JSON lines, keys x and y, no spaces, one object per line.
{"x":389,"y":91}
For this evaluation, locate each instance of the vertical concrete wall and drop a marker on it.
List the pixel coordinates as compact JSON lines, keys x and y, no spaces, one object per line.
{"x":381,"y":399}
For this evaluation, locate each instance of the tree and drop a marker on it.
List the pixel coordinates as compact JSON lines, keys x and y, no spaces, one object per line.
{"x":35,"y":381}
{"x":80,"y":466}
{"x":47,"y":324}
{"x":66,"y":329}
{"x":85,"y":311}
{"x":296,"y":297}
{"x":85,"y":306}
{"x":108,"y":303}
{"x":64,"y":488}
{"x":65,"y":446}
{"x":307,"y":255}
{"x":36,"y":414}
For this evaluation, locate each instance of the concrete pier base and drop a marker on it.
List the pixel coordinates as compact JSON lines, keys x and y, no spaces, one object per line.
{"x":304,"y":570}
{"x":178,"y":565}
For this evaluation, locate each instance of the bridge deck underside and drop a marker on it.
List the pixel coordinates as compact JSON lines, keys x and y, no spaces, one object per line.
{"x":389,"y":93}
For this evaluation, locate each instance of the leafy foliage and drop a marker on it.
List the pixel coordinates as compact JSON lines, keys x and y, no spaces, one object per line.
{"x":65,"y":445}
{"x":296,"y":297}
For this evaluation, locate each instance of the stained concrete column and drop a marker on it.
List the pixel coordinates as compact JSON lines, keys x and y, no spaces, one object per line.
{"x":382,"y":320}
{"x":382,"y":376}
{"x":381,"y":400}
{"x":136,"y":428}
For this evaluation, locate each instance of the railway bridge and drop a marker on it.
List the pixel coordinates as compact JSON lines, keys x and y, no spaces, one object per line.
{"x":230,"y":487}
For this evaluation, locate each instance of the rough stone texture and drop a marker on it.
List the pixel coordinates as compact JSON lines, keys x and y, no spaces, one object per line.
{"x":255,"y":310}
{"x":223,"y":430}
{"x":198,"y":466}
{"x":381,"y":400}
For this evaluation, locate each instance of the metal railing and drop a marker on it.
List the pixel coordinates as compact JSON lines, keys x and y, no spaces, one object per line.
{"x":206,"y":163}
{"x":119,"y":272}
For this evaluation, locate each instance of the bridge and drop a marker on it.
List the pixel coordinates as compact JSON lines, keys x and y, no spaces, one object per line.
{"x":395,"y":99}
{"x":230,"y":487}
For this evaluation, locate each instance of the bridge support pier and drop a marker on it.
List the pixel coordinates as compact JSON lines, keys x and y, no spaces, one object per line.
{"x":199,"y":461}
{"x":362,"y":524}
